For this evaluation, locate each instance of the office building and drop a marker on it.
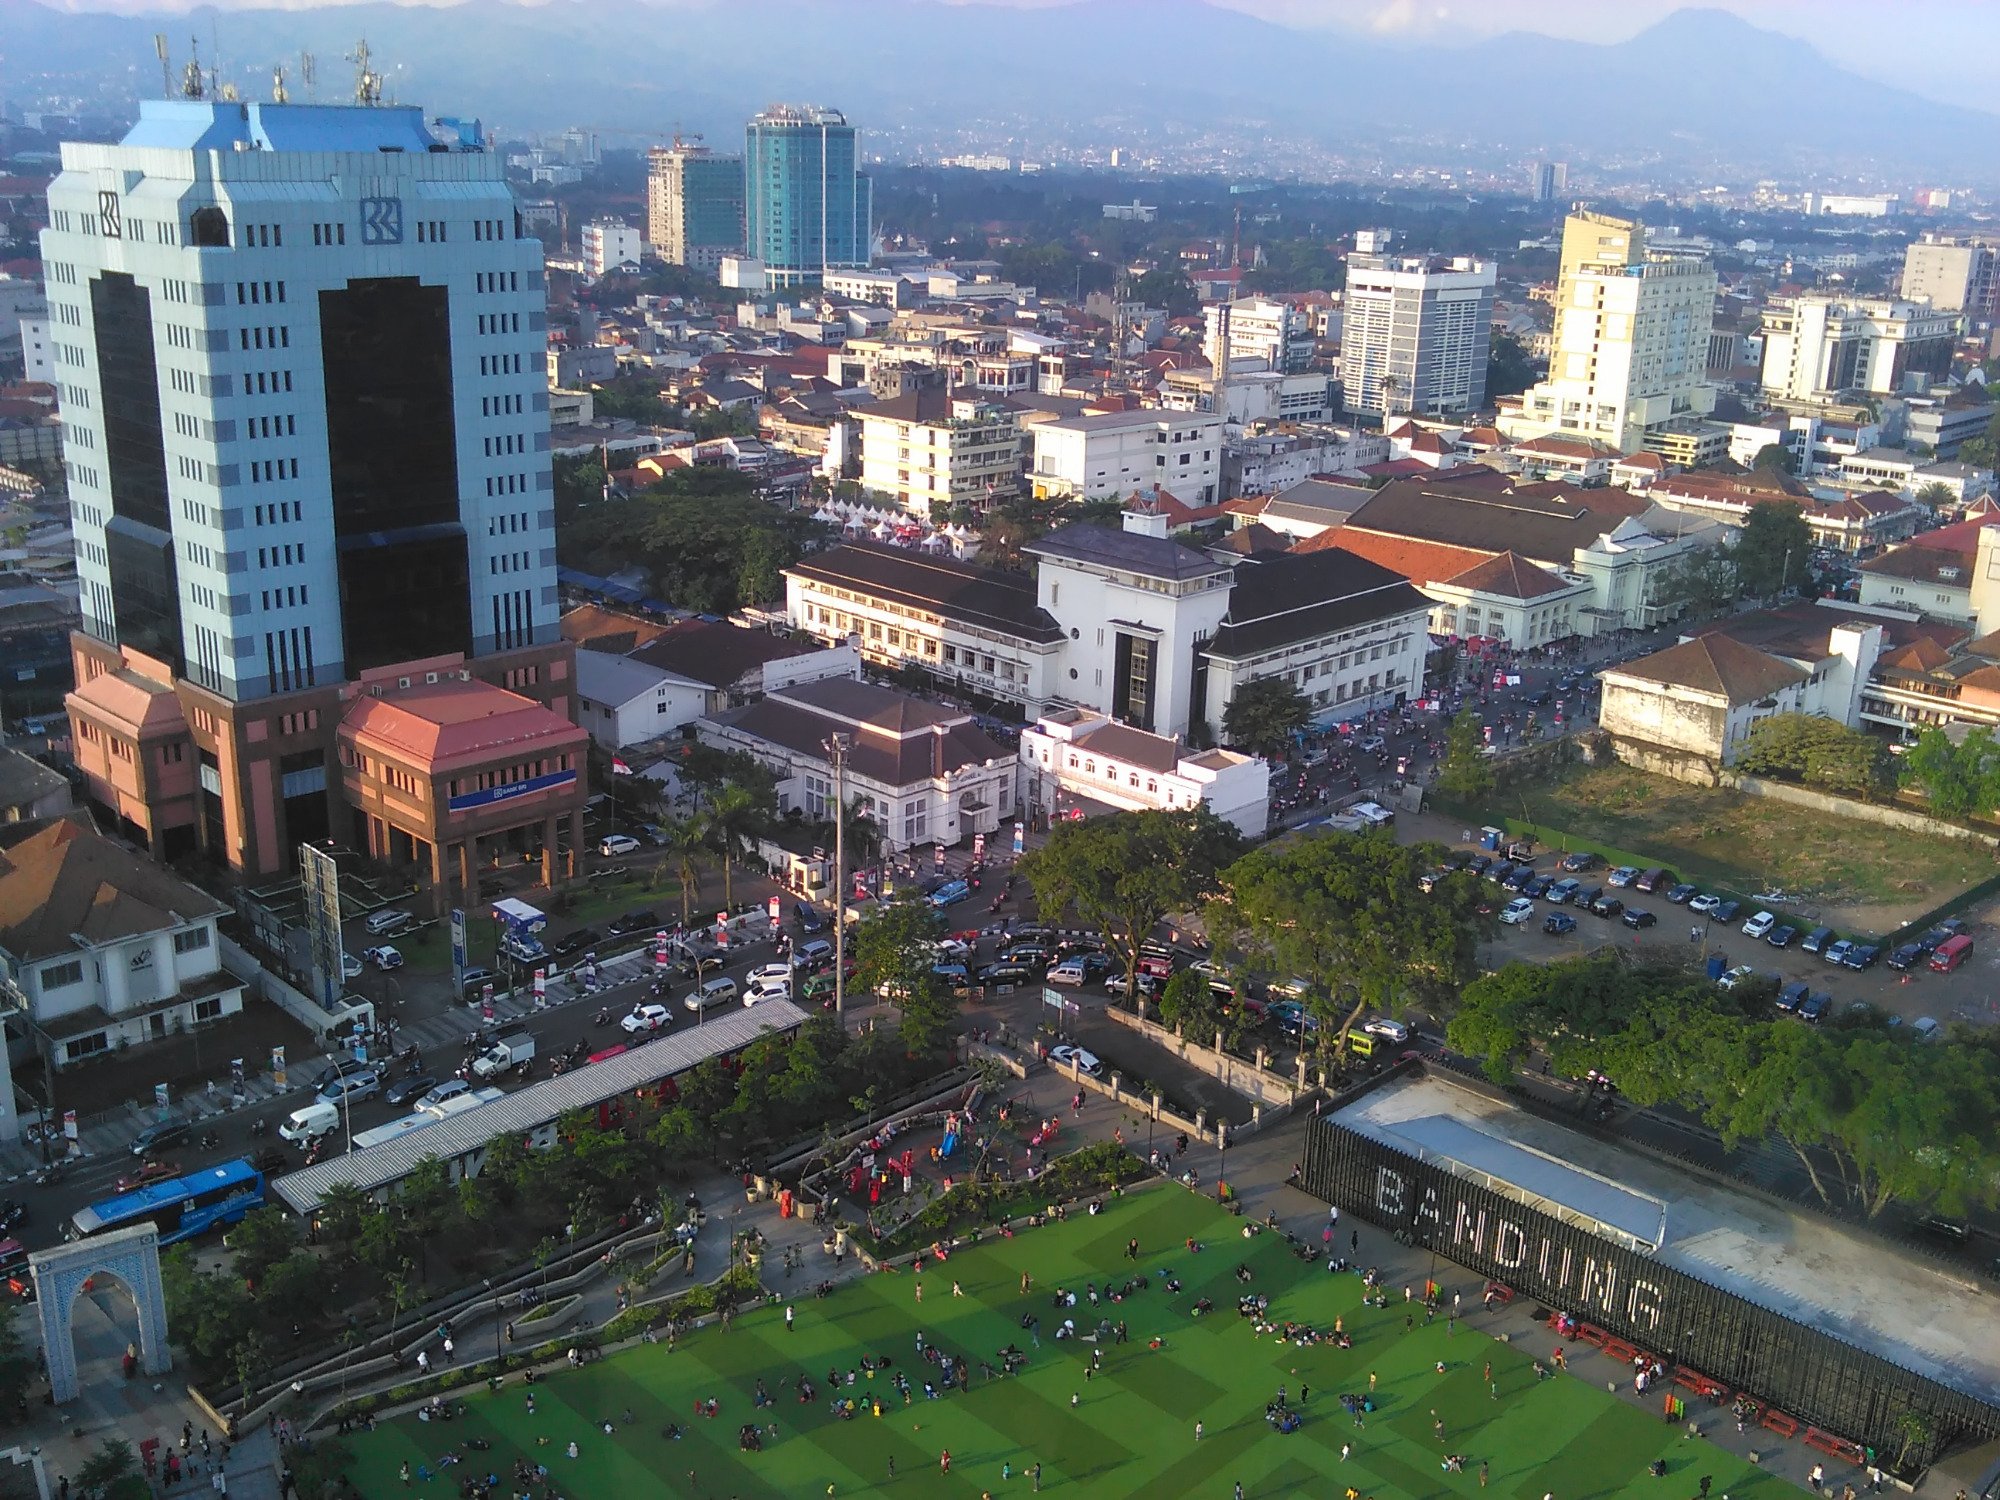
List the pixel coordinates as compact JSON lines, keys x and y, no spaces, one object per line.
{"x":694,"y":205}
{"x":301,"y":357}
{"x":1416,"y":334}
{"x":1953,"y":275}
{"x":609,"y":244}
{"x":1630,"y":351}
{"x":807,"y":206}
{"x":1816,"y":347}
{"x":1109,"y":455}
{"x":1263,"y":335}
{"x":1551,"y":180}
{"x":932,"y":450}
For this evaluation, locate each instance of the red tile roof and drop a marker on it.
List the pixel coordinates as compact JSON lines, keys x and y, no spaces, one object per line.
{"x":449,"y":725}
{"x":1420,"y":562}
{"x":1510,"y":576}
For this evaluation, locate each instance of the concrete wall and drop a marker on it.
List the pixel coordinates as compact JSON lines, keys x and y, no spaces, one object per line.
{"x":1678,"y":765}
{"x":1846,"y":807}
{"x":1260,"y":1085}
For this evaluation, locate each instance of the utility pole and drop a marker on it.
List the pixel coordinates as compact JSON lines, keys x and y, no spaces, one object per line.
{"x":837,"y":748}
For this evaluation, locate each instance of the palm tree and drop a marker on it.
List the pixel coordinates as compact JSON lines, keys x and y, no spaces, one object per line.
{"x":1391,"y":385}
{"x":686,"y":840}
{"x":732,"y":820}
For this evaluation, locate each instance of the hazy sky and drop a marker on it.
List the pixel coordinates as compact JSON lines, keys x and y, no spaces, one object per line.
{"x":1942,"y":48}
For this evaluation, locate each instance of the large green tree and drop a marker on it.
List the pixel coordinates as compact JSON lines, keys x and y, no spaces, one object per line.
{"x":1264,"y":715}
{"x":730,"y":825}
{"x":1345,"y":913}
{"x":1774,"y":548}
{"x":1701,"y":582}
{"x":1775,"y":458}
{"x":1960,"y":778}
{"x":1466,"y":771}
{"x":895,"y":956}
{"x":1818,"y":751}
{"x":1125,"y":873}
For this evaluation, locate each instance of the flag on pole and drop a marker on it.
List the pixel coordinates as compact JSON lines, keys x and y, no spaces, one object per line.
{"x":619,"y":768}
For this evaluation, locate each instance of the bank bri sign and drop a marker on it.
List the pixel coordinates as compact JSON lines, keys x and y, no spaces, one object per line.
{"x":1817,"y":1377}
{"x":487,"y":796}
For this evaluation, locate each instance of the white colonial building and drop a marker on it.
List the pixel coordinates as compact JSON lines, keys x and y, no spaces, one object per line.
{"x":1075,"y":762}
{"x":100,"y":948}
{"x":1108,"y":456}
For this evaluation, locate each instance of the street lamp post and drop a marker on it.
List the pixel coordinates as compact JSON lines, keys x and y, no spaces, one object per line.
{"x":837,"y":747}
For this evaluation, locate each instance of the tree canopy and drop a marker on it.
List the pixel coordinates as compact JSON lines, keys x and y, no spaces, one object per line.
{"x":1466,"y":771}
{"x":1126,"y":872}
{"x":1776,"y":458}
{"x":1960,"y":778}
{"x":1774,"y":549}
{"x":1345,"y":913}
{"x":1817,"y":751}
{"x":895,"y":955}
{"x":1264,"y":715}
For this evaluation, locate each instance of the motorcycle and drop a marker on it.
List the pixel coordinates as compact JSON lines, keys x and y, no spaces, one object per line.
{"x":602,"y":1018}
{"x":208,"y":1140}
{"x":260,"y":1127}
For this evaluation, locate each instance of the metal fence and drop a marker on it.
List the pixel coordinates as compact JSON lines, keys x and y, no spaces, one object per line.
{"x":1813,"y":1376}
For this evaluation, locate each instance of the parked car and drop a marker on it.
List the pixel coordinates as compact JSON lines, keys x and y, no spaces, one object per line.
{"x":161,"y":1137}
{"x":633,"y":921}
{"x":1837,"y":951}
{"x":1517,"y":911}
{"x":383,"y":957}
{"x":1500,"y":871}
{"x":1704,"y":903}
{"x":616,"y":843}
{"x":1814,"y":1007}
{"x":1782,"y":937}
{"x":1479,"y":864}
{"x":580,"y":941}
{"x":1725,"y":911}
{"x":808,"y":917}
{"x":1659,"y":878}
{"x":1076,"y":1057}
{"x":1792,"y":996}
{"x":1950,"y":927}
{"x":476,"y":979}
{"x":1818,"y":940}
{"x":1636,"y":917}
{"x":1683,"y":894}
{"x":1906,"y":955}
{"x":1577,"y":863}
{"x":1623,"y":876}
{"x":1760,"y":925}
{"x":1558,"y":923}
{"x":1587,"y":896}
{"x":1741,"y":974}
{"x":384,"y":923}
{"x":1148,"y":984}
{"x":1562,"y":890}
{"x":1537,"y":888}
{"x":1008,"y":973}
{"x":1606,"y":906}
{"x":1521,"y":879}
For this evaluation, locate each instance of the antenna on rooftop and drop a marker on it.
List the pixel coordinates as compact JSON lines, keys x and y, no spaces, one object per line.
{"x":309,"y":74}
{"x":279,"y":93}
{"x":367,"y":82}
{"x":166,"y":65}
{"x":192,"y":84}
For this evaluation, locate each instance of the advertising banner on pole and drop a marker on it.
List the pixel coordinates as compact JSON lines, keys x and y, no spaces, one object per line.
{"x":459,"y":963}
{"x":278,"y":1066}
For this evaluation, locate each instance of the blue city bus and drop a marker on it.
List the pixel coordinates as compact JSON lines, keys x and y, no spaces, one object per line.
{"x":182,"y":1207}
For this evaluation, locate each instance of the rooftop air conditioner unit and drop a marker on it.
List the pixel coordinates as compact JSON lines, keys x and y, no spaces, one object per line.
{"x":430,"y":677}
{"x":402,"y":682}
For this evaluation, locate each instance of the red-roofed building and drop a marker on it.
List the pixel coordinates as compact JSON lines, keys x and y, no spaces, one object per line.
{"x":433,"y":769}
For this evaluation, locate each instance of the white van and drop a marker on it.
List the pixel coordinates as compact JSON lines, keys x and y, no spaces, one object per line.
{"x":314,"y":1119}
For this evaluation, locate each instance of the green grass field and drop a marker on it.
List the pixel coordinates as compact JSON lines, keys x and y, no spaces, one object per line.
{"x":1130,"y":1430}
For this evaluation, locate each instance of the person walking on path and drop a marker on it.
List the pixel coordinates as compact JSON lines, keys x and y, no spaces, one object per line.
{"x":1035,"y":1473}
{"x":920,"y":1291}
{"x":1197,"y":1431}
{"x":788,"y":1318}
{"x":1482,"y":1473}
{"x":944,"y":1461}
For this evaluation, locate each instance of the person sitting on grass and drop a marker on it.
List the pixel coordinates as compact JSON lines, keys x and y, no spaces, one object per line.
{"x":671,"y":1432}
{"x":1202,"y":1305}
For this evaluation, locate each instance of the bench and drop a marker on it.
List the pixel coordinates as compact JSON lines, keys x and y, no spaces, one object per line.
{"x":1779,"y":1423}
{"x":1591,"y":1334}
{"x":1700,"y":1384}
{"x":1619,"y":1350}
{"x":1836,"y":1447}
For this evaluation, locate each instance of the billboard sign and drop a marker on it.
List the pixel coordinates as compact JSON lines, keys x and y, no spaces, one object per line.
{"x":320,"y":877}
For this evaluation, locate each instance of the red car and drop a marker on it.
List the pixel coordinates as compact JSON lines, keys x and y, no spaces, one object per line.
{"x":149,"y":1173}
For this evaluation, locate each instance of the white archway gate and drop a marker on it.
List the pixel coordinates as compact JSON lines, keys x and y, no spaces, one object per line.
{"x":133,"y":1256}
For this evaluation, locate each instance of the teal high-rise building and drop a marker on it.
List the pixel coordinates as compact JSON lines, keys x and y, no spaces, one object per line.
{"x":806,"y":206}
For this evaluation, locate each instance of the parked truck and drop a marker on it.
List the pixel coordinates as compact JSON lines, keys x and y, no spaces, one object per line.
{"x":509,"y":1049}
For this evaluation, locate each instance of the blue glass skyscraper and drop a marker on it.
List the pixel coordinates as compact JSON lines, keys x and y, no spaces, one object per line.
{"x":806,"y":207}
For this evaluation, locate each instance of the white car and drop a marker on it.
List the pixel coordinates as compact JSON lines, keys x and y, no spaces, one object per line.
{"x":758,"y":990}
{"x":451,"y":1088}
{"x":1759,"y":925}
{"x":646,"y":1018}
{"x":1383,"y":1026}
{"x":952,"y":951}
{"x":1083,"y":1061}
{"x":384,"y":957}
{"x":1704,"y":903}
{"x":1738,"y":975}
{"x":616,"y":843}
{"x":1517,"y":911}
{"x":780,"y":974}
{"x":1148,"y":985}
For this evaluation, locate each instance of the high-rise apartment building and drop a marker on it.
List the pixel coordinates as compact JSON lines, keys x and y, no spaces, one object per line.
{"x":609,"y":244}
{"x":694,"y":205}
{"x":1551,"y":180}
{"x":1954,"y":275}
{"x":1816,"y":347}
{"x":807,"y":206}
{"x":1416,"y":333}
{"x":1271,"y":335}
{"x":300,"y":359}
{"x":1630,"y":350}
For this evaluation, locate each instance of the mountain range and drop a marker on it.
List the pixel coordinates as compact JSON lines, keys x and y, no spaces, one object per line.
{"x":1701,"y":85}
